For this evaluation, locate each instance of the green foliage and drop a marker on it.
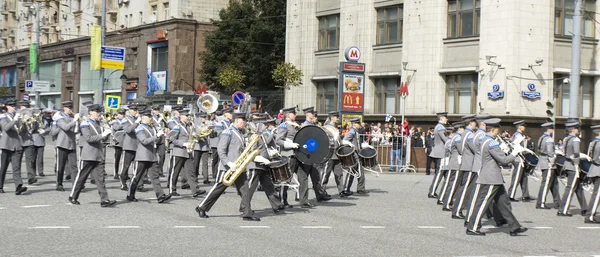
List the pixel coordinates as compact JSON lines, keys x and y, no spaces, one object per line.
{"x":250,"y":38}
{"x":4,"y":91}
{"x":231,"y":78}
{"x":286,"y":75}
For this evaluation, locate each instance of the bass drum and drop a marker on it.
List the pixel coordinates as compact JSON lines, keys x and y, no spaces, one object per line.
{"x":280,"y":170}
{"x":347,"y":156}
{"x":316,"y":145}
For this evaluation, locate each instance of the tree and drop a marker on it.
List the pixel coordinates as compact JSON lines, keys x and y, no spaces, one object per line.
{"x":231,"y":78}
{"x":286,"y":75}
{"x":250,"y":38}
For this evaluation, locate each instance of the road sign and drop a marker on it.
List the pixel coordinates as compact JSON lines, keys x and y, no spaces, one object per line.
{"x":28,"y":85}
{"x":238,"y":97}
{"x":25,"y":97}
{"x":113,"y":57}
{"x":179,"y":100}
{"x":37,"y":86}
{"x":112,"y":102}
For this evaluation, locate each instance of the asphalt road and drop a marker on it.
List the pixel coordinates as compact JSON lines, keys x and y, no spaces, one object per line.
{"x":395,"y":219}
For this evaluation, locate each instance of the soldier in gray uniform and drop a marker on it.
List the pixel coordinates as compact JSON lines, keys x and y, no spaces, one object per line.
{"x":310,"y":170}
{"x":130,"y":143}
{"x":29,"y":148}
{"x":453,"y":164}
{"x":572,"y":153}
{"x":12,"y":150}
{"x":232,"y":143}
{"x":171,"y":123}
{"x":473,"y":189}
{"x":547,"y":157}
{"x":437,"y":153}
{"x":466,"y":165}
{"x":65,"y":142}
{"x":334,"y":163}
{"x":54,"y":135}
{"x":444,"y":171}
{"x":39,"y":142}
{"x":492,"y":184}
{"x":118,"y":137}
{"x":518,"y":175}
{"x":284,"y":139}
{"x":201,"y":149}
{"x":351,"y":138}
{"x":221,"y":122}
{"x":145,"y":158}
{"x":594,"y":175}
{"x":93,"y":157}
{"x":161,"y":149}
{"x":180,"y":137}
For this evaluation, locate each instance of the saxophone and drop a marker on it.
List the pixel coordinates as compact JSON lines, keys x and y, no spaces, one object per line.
{"x":242,"y":162}
{"x":192,"y":141}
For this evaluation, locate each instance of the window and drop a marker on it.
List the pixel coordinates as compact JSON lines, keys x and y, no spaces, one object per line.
{"x":329,"y":32}
{"x":562,"y":96}
{"x":563,"y":18}
{"x":160,"y":58}
{"x":166,"y":10}
{"x":141,"y":18}
{"x":327,"y":96}
{"x":389,"y":25}
{"x":386,"y":95}
{"x":78,"y":28}
{"x":69,"y":66}
{"x":463,"y":18}
{"x":153,"y":18}
{"x":461,"y":93}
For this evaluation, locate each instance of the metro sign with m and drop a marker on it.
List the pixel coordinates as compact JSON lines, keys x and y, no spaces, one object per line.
{"x":352,"y":54}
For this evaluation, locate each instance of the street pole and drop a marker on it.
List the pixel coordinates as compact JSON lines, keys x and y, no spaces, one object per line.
{"x":37,"y":61}
{"x":103,"y":35}
{"x":575,"y":64}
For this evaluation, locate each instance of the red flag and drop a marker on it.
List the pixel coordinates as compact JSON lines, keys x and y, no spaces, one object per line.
{"x":403,"y":89}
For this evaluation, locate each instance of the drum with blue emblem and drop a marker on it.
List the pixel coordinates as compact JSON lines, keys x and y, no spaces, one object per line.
{"x":316,"y":145}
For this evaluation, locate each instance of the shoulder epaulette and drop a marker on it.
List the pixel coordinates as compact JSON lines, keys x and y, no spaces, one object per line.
{"x":139,"y":129}
{"x":84,"y":124}
{"x":2,"y":116}
{"x":441,"y":128}
{"x":176,"y":128}
{"x":226,"y":132}
{"x":458,"y":138}
{"x":283,"y":125}
{"x":576,"y":139}
{"x":549,"y":140}
{"x":351,"y":132}
{"x":493,"y":144}
{"x":470,"y":137}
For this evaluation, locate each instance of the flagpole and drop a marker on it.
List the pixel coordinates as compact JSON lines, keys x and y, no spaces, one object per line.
{"x":37,"y":56}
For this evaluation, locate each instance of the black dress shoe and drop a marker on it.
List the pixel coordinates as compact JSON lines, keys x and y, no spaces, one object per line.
{"x":518,"y":231}
{"x":32,"y":181}
{"x":41,"y":175}
{"x":281,"y":207}
{"x":251,"y":218}
{"x":73,"y":201}
{"x":362,"y":192}
{"x":276,"y":211}
{"x":93,"y":182}
{"x":458,"y":217}
{"x":560,"y":214}
{"x":307,"y":205}
{"x":185,"y":186}
{"x":116,"y":177}
{"x":131,"y":199}
{"x":344,"y":194}
{"x":439,"y":202}
{"x":68,"y":177}
{"x":588,"y":220}
{"x":466,"y":223}
{"x":201,"y":212}
{"x":1,"y":191}
{"x":124,"y":188}
{"x":198,"y":194}
{"x":20,"y":190}
{"x":584,"y":213}
{"x":543,"y":207}
{"x":174,"y":193}
{"x":163,"y":198}
{"x":141,"y":189}
{"x":475,"y":233}
{"x":527,"y":199}
{"x":501,"y":223}
{"x":201,"y":191}
{"x":60,"y":188}
{"x":287,"y":205}
{"x":108,"y":203}
{"x":147,"y":182}
{"x":446,"y":209}
{"x":324,"y":198}
{"x":206,"y":182}
{"x":513,"y":200}
{"x":431,"y":196}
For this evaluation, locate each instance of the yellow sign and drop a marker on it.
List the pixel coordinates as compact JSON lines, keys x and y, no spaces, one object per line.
{"x":112,"y":102}
{"x":117,"y":65}
{"x":179,"y":100}
{"x":347,"y":117}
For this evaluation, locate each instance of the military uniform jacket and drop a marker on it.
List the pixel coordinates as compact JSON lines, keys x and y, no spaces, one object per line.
{"x":352,"y":137}
{"x":467,"y":150}
{"x":266,"y":141}
{"x":438,"y":141}
{"x":26,"y":137}
{"x":130,"y":142}
{"x":455,"y":152}
{"x":545,"y":152}
{"x":476,"y":147}
{"x":231,"y":145}
{"x":118,"y":133}
{"x":39,"y":138}
{"x":202,"y":144}
{"x":285,"y":130}
{"x":492,"y":158}
{"x":162,"y":124}
{"x":220,"y":124}
{"x":180,"y":135}
{"x":66,"y":133}
{"x":594,"y":152}
{"x":54,"y":131}
{"x":447,"y":153}
{"x":516,"y":136}
{"x":146,"y":147}
{"x":91,"y":141}
{"x":571,"y":150}
{"x":335,"y":143}
{"x":10,"y":139}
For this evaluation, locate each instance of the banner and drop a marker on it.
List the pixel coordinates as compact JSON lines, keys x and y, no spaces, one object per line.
{"x":33,"y":58}
{"x":95,"y":48}
{"x":352,"y":94}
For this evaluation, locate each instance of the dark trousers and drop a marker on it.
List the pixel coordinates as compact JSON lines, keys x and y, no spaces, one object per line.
{"x":445,"y":185}
{"x":30,"y":160}
{"x":128,"y":158}
{"x":595,"y":198}
{"x":338,"y":174}
{"x":218,"y":188}
{"x":39,"y":160}
{"x":215,"y":162}
{"x":161,"y":151}
{"x":96,"y":169}
{"x":350,"y":179}
{"x":437,"y":178}
{"x":185,"y":164}
{"x":472,"y":196}
{"x":303,"y":174}
{"x":549,"y":184}
{"x":294,"y":166}
{"x":573,"y":186}
{"x":141,"y":168}
{"x":453,"y":179}
{"x":66,"y":160}
{"x":201,"y":157}
{"x":519,"y":178}
{"x":14,"y":158}
{"x":118,"y":161}
{"x":428,"y":165}
{"x":487,"y":194}
{"x":170,"y":165}
{"x":262,"y":176}
{"x":466,"y":179}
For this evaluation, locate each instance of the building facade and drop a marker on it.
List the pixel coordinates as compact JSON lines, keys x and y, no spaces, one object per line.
{"x":456,"y":55}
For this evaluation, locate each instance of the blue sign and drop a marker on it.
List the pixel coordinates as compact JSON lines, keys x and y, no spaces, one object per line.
{"x":25,"y":97}
{"x":496,"y":87}
{"x":29,"y":85}
{"x":113,"y":57}
{"x":531,"y":86}
{"x":531,"y":95}
{"x":495,"y":95}
{"x":238,"y":97}
{"x":112,"y":102}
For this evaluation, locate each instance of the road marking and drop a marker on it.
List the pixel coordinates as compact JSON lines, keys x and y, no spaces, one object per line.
{"x":489,"y":226}
{"x":588,"y":227}
{"x":372,"y":227}
{"x":327,"y":227}
{"x":431,"y":227}
{"x":123,"y":227}
{"x":35,"y":206}
{"x":50,"y":227}
{"x":540,"y":256}
{"x":541,"y":228}
{"x":2,"y":208}
{"x":255,"y":227}
{"x":188,"y":226}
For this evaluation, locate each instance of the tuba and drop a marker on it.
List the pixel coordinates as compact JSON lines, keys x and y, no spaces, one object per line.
{"x":242,"y":162}
{"x":207,"y":103}
{"x":166,"y":115}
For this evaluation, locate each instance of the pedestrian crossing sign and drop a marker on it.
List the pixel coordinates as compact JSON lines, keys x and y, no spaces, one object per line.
{"x":112,"y":102}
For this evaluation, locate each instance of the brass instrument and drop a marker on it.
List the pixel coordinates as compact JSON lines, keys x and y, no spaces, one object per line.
{"x":28,"y":120}
{"x":207,"y":103}
{"x":242,"y":162}
{"x":108,"y":117}
{"x":166,"y":115}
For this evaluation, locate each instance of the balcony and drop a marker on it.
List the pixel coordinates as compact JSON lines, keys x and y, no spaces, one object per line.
{"x":10,"y":6}
{"x":111,"y":8}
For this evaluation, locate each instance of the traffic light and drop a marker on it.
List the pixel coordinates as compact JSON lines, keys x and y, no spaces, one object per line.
{"x":550,"y":112}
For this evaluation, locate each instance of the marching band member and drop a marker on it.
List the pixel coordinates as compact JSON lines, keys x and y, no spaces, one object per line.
{"x":39,"y":142}
{"x":465,"y":176}
{"x":145,"y":157}
{"x":445,"y":172}
{"x":334,"y":163}
{"x":351,"y":138}
{"x":130,"y":143}
{"x":161,"y":149}
{"x":180,"y":137}
{"x":171,"y":123}
{"x":492,"y":184}
{"x":438,"y":151}
{"x":118,"y":138}
{"x":473,"y":189}
{"x":594,"y":175}
{"x":12,"y":150}
{"x":284,"y":139}
{"x":219,"y":124}
{"x":201,"y":149}
{"x":546,"y":164}
{"x":518,"y":176}
{"x":65,"y":142}
{"x":454,"y":164}
{"x":232,"y":143}
{"x":310,"y":170}
{"x":571,"y":149}
{"x":29,"y":149}
{"x":93,"y":157}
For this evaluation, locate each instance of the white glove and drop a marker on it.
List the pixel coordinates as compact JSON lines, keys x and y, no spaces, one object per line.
{"x":231,"y":165}
{"x":17,"y":116}
{"x":504,"y":148}
{"x":139,"y":119}
{"x":290,"y":145}
{"x":76,"y":116}
{"x":106,"y":133}
{"x":159,"y":133}
{"x":272,"y":152}
{"x":262,"y":160}
{"x":41,"y":131}
{"x":186,"y":144}
{"x":459,"y":159}
{"x":517,"y":149}
{"x":585,"y":156}
{"x":346,"y":142}
{"x":364,"y":145}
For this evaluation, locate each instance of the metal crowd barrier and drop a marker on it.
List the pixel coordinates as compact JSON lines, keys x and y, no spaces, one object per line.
{"x":390,"y":158}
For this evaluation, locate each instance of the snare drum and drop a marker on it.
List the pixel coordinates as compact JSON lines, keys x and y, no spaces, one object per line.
{"x":316,"y":145}
{"x":280,"y":171}
{"x":584,"y":166}
{"x":346,"y":155}
{"x":560,"y":160}
{"x":531,"y":161}
{"x":368,"y":157}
